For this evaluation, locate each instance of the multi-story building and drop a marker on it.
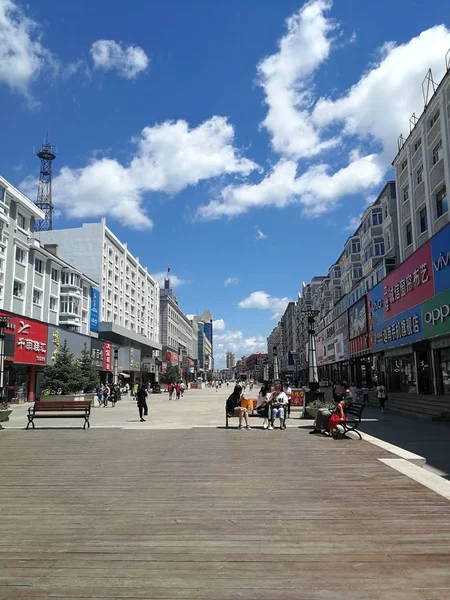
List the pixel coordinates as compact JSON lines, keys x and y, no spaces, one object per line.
{"x":177,"y":333}
{"x":129,"y":306}
{"x":34,"y":280}
{"x":254,"y":364}
{"x":231,"y":360}
{"x":289,"y":356}
{"x":203,"y":327}
{"x":422,"y":172}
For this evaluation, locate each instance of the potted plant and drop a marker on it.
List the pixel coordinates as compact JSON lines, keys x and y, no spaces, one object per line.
{"x":5,"y":411}
{"x":313,"y":407}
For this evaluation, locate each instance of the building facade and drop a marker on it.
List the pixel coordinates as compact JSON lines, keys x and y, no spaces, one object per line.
{"x":422,"y":172}
{"x":129,"y":295}
{"x":231,"y":361}
{"x":254,"y":364}
{"x":177,"y":333}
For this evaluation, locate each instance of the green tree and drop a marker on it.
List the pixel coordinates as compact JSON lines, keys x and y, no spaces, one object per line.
{"x":209,"y":376}
{"x":89,"y":371}
{"x":64,"y":374}
{"x":172,"y":374}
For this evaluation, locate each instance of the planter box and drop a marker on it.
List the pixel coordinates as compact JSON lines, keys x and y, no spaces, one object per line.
{"x":55,"y":397}
{"x":4,"y":415}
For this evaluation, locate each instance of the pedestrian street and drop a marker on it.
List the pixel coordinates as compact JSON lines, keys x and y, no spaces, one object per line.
{"x":179,"y":507}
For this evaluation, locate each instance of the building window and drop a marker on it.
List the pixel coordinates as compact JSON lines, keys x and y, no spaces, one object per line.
{"x":406,"y":193}
{"x":378,"y":246}
{"x":18,"y":289}
{"x":377,"y":217}
{"x":85,"y":292}
{"x":37,"y":295}
{"x":84,"y":316}
{"x":404,"y":165}
{"x":20,"y":255}
{"x":21,"y":221}
{"x":357,"y":271}
{"x":437,"y":152}
{"x":38,"y":265}
{"x":441,"y":202}
{"x":417,"y":144}
{"x":423,"y":221}
{"x":388,"y":241}
{"x":419,"y":175}
{"x":55,"y":275}
{"x":356,"y":246}
{"x":408,"y":234}
{"x":385,"y":211}
{"x":69,"y":305}
{"x":53,"y":303}
{"x":434,"y":119}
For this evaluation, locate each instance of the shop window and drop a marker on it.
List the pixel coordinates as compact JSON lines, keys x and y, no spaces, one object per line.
{"x":441,"y":202}
{"x":444,"y":370}
{"x":401,"y":374}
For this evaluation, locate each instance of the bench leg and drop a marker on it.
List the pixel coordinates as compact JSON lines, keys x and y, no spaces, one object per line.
{"x":86,"y":422}
{"x":30,"y":422}
{"x":226,"y":421}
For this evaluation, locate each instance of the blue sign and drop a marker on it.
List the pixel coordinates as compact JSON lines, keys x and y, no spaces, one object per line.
{"x":95,"y":308}
{"x":404,"y":328}
{"x":440,"y":253}
{"x":376,"y":305}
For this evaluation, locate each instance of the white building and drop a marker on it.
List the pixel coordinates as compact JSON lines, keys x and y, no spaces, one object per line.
{"x":129,"y":307}
{"x":34,"y":281}
{"x":422,"y":171}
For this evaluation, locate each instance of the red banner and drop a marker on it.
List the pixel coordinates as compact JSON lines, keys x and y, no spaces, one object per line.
{"x":107,"y":356}
{"x":172,"y":358}
{"x":297,"y":397}
{"x":30,"y":340}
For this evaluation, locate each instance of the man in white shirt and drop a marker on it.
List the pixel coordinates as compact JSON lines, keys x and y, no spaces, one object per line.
{"x":278,"y":408}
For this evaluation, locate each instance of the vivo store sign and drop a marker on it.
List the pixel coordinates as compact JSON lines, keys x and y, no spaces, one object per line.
{"x":440,"y":253}
{"x":436,"y":315}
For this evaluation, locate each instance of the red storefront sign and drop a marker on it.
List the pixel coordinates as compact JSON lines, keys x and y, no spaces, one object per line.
{"x":30,"y":340}
{"x":163,"y":367}
{"x":297,"y":397}
{"x":107,"y":356}
{"x":411,"y":283}
{"x":360,"y":345}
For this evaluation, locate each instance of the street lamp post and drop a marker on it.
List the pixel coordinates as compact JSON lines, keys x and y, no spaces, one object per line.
{"x":313,"y":375}
{"x":116,"y":366}
{"x":4,"y":320}
{"x":276,"y":372}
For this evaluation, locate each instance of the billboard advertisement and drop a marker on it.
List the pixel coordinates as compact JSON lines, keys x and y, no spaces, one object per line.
{"x":436,"y":315}
{"x":404,"y":328}
{"x":95,"y":309}
{"x":440,"y":252}
{"x":332,"y":342}
{"x":357,"y":319}
{"x":27,"y":340}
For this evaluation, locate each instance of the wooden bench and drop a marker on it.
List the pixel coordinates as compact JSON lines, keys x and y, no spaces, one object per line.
{"x":250,"y":414}
{"x":56,"y":409}
{"x":353,"y":412}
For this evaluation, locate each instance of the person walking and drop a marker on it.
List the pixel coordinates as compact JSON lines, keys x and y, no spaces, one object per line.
{"x":183,"y":387}
{"x":106,"y":395}
{"x":217,"y":386}
{"x":178,"y":390}
{"x":100,"y":391}
{"x":288,"y":392}
{"x":170,"y":389}
{"x":142,"y":402}
{"x":116,"y":394}
{"x":382,"y":396}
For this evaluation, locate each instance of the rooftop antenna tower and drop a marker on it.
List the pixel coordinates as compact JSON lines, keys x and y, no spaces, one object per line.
{"x":44,"y":201}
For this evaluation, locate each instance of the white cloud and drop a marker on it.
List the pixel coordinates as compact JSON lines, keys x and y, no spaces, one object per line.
{"x":236,"y":342}
{"x":299,"y":122}
{"x":395,"y":80}
{"x":353,"y":223}
{"x":316,"y":191}
{"x":263,"y":301}
{"x":128,"y":61}
{"x":22,"y":55}
{"x":219,"y":325}
{"x":259,"y":234}
{"x":170,"y":156}
{"x":286,"y":76}
{"x":231,"y":281}
{"x":174,"y":280}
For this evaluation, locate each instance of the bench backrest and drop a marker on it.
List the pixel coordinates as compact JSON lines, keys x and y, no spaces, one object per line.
{"x":355,"y":410}
{"x":62,"y":405}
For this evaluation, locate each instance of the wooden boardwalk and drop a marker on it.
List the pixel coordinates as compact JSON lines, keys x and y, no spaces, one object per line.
{"x":213,"y":514}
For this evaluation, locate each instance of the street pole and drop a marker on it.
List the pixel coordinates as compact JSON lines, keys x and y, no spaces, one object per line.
{"x":313,"y":375}
{"x":4,"y":320}
{"x":116,"y":366}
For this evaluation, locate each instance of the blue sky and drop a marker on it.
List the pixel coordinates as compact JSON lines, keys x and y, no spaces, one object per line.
{"x":230,"y":140}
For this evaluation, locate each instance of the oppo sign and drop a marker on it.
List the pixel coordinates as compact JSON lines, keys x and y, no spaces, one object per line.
{"x":437,"y":315}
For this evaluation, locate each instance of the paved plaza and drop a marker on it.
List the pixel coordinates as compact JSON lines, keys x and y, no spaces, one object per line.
{"x":181,"y":508}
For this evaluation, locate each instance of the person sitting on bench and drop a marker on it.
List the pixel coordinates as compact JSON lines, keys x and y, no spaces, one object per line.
{"x":326,"y":419}
{"x":278,"y":407}
{"x":235,"y":410}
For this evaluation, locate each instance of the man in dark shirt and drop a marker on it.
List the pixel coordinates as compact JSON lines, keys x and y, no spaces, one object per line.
{"x":142,"y":401}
